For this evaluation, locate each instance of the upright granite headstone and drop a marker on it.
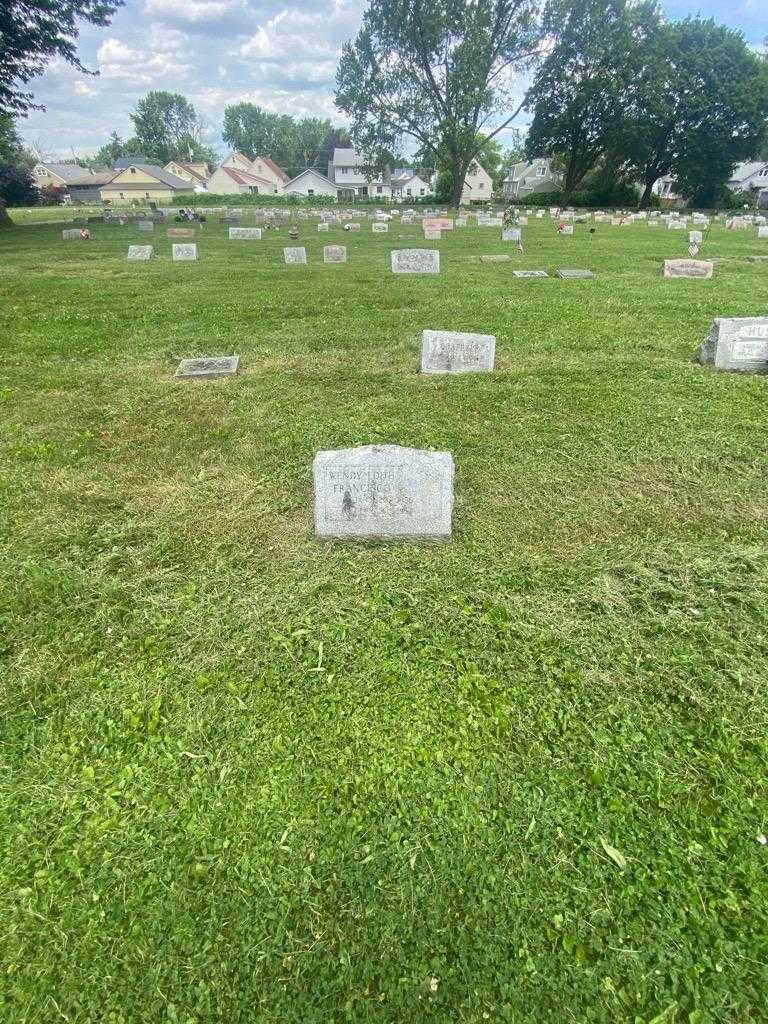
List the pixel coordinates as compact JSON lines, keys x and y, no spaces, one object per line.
{"x":145,"y":225}
{"x":207,"y":368}
{"x":455,"y":352}
{"x":379,"y":229}
{"x":140,"y":252}
{"x":415,"y":261}
{"x":511,"y":234}
{"x":737,"y":343}
{"x":383,"y":492}
{"x":245,"y":234}
{"x":432,"y":234}
{"x":762,"y":232}
{"x":295,"y":255}
{"x":182,"y":253}
{"x":695,"y":237}
{"x":334,"y":254}
{"x":688,"y":268}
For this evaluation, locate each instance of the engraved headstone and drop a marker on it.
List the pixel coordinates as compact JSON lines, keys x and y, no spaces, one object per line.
{"x":145,"y":225}
{"x":207,"y":368}
{"x":379,"y":229}
{"x":352,"y":226}
{"x":511,"y":234}
{"x":415,"y":261}
{"x":432,"y":234}
{"x":568,"y":274}
{"x":245,"y":234}
{"x":496,"y":259}
{"x":323,"y":226}
{"x":140,"y":252}
{"x":737,"y":343}
{"x":695,"y":237}
{"x":762,"y":232}
{"x":293,"y":255}
{"x":530,"y":273}
{"x":184,"y":252}
{"x":688,"y":268}
{"x":456,"y":352}
{"x":335,"y":254}
{"x":567,"y":229}
{"x":383,"y":492}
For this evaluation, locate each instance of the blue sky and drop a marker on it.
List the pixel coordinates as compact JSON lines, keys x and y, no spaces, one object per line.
{"x":281,"y":54}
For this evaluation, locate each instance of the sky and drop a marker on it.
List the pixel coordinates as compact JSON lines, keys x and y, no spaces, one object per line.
{"x":280,"y":54}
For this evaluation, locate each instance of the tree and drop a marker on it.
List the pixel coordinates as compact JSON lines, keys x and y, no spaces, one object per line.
{"x":294,"y":145}
{"x":33,"y":32}
{"x":581,"y":92}
{"x":168,"y":128}
{"x":699,"y":107}
{"x":438,"y":72}
{"x":16,"y":183}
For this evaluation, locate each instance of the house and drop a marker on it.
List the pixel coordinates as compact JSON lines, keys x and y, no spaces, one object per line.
{"x":528,"y":177}
{"x":666,"y":188}
{"x":478,"y":185}
{"x":196,"y":173}
{"x":125,"y":161}
{"x":407,"y":184}
{"x":87,"y":188}
{"x":144,"y":181}
{"x":230,"y":181}
{"x":310,"y":183}
{"x":346,"y":171}
{"x":56,"y":175}
{"x":263,"y":167}
{"x":238,"y":162}
{"x":749,"y":177}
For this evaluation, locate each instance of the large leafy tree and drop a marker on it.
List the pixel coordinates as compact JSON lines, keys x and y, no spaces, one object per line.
{"x":33,"y":32}
{"x":437,"y":72}
{"x":167,"y":127}
{"x":699,"y":106}
{"x":582,"y":89}
{"x":293,"y":144}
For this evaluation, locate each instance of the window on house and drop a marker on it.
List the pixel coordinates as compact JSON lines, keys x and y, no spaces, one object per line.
{"x":122,"y":195}
{"x":421,"y":192}
{"x":310,"y":191}
{"x":344,"y":170}
{"x":408,"y":192}
{"x":146,"y":195}
{"x":541,"y":171}
{"x":379,"y":189}
{"x":133,"y":170}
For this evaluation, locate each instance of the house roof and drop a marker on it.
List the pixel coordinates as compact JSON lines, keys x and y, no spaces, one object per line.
{"x":244,"y":177}
{"x":317,"y":174}
{"x":274,"y":168}
{"x":346,"y":156}
{"x":97,"y":176}
{"x":129,"y":161}
{"x":68,"y":172}
{"x":743,"y":171}
{"x":187,"y":167}
{"x":165,"y":177}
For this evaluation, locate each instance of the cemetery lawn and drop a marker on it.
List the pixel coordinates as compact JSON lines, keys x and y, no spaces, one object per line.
{"x":247,"y":776}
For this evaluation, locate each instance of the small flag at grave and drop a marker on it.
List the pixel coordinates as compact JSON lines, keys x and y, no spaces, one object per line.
{"x":693,"y":250}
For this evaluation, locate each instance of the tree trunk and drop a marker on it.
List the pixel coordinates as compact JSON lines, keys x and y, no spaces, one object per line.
{"x":5,"y":220}
{"x":457,"y":185}
{"x":645,"y":200}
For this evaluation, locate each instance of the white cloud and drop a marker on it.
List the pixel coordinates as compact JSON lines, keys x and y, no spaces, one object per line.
{"x":84,"y":88}
{"x":118,"y":60}
{"x":195,"y":12}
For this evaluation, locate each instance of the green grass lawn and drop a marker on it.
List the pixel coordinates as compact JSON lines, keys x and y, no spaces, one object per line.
{"x":248,"y":776}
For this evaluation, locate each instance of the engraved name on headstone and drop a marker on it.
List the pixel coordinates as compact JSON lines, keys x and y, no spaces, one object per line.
{"x":383,"y":492}
{"x":140,"y":252}
{"x":530,"y":273}
{"x":334,"y":254}
{"x":207,"y":368}
{"x":293,"y":255}
{"x":245,"y":234}
{"x":456,"y":352}
{"x":379,"y":229}
{"x":511,"y":234}
{"x":737,"y":343}
{"x":323,"y":226}
{"x":183,"y":252}
{"x":145,"y":225}
{"x":688,"y":268}
{"x":415,"y":261}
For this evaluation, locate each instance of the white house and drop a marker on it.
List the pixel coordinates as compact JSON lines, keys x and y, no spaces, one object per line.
{"x":530,"y":176}
{"x":265,"y":168}
{"x":310,"y":183}
{"x":666,"y":188}
{"x":346,"y":171}
{"x":406,"y":184}
{"x":749,"y":177}
{"x":238,"y":162}
{"x":478,"y":185}
{"x":228,"y":181}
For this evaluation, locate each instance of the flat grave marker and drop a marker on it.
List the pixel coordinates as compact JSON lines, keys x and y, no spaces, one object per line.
{"x":180,"y":233}
{"x":379,"y":229}
{"x":689,"y":268}
{"x":294,"y":255}
{"x":145,"y":225}
{"x":207,"y":368}
{"x":184,"y":253}
{"x":574,"y":274}
{"x":334,"y":254}
{"x":140,"y":252}
{"x":530,"y":273}
{"x":245,"y":234}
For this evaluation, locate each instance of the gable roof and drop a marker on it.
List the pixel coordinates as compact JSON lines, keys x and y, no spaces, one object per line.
{"x":346,"y":156}
{"x":68,"y":172}
{"x":127,"y":161}
{"x":187,"y":167}
{"x":743,"y":171}
{"x":165,"y":177}
{"x":274,"y":168}
{"x":317,"y":174}
{"x":244,"y":177}
{"x":97,"y":176}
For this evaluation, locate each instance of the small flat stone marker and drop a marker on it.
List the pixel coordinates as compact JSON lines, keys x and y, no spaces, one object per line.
{"x":379,"y":229}
{"x":567,"y":230}
{"x":323,"y":226}
{"x":207,"y":368}
{"x":455,"y":352}
{"x":415,"y":261}
{"x":183,"y":253}
{"x":737,"y":343}
{"x":383,"y":492}
{"x":140,"y":252}
{"x":572,"y":274}
{"x":335,"y":254}
{"x":145,"y":225}
{"x":295,"y":255}
{"x":530,"y":273}
{"x":432,"y":234}
{"x":504,"y":258}
{"x":180,"y":233}
{"x":245,"y":234}
{"x":688,"y":268}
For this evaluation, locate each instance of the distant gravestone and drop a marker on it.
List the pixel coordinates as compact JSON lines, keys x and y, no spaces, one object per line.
{"x":323,"y":226}
{"x":70,"y":234}
{"x":455,"y":352}
{"x":688,"y":268}
{"x":352,"y":227}
{"x":140,"y":252}
{"x":145,"y":225}
{"x":182,"y":253}
{"x":334,"y":254}
{"x":762,"y":232}
{"x":383,"y":493}
{"x":415,"y":261}
{"x":460,"y":222}
{"x":511,"y":234}
{"x":695,"y":237}
{"x":530,"y":273}
{"x":245,"y":234}
{"x":504,"y":258}
{"x":295,"y":255}
{"x":207,"y":368}
{"x":379,"y":229}
{"x":180,"y":233}
{"x":737,"y":343}
{"x":566,"y":230}
{"x":432,"y":234}
{"x":572,"y":274}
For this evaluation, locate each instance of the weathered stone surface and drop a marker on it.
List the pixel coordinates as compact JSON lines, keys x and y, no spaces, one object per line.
{"x":140,"y":252}
{"x":568,"y":274}
{"x":688,"y":268}
{"x":245,"y":234}
{"x":567,"y":230}
{"x":323,"y":226}
{"x":70,"y":234}
{"x":511,"y":234}
{"x":432,"y":234}
{"x":335,"y":254}
{"x":456,"y":352}
{"x":379,"y":229}
{"x":461,"y":222}
{"x":145,"y":225}
{"x":504,"y":258}
{"x":184,"y":252}
{"x":207,"y":368}
{"x":415,"y":261}
{"x":530,"y":273}
{"x":295,"y":255}
{"x":352,"y":226}
{"x":762,"y":232}
{"x":437,"y":224}
{"x":383,"y":492}
{"x":695,"y":237}
{"x":737,"y":343}
{"x":180,"y":233}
